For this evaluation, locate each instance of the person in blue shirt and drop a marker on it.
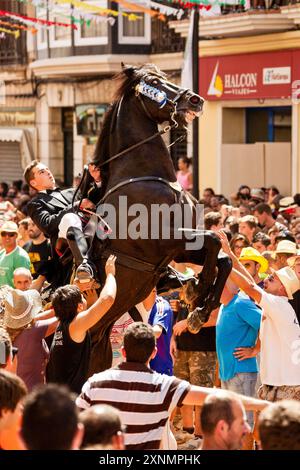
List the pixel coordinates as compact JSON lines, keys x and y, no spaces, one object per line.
{"x":237,"y":326}
{"x":161,"y":319}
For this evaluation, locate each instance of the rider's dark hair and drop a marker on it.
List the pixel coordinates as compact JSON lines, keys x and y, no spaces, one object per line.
{"x":28,"y":173}
{"x":65,"y":301}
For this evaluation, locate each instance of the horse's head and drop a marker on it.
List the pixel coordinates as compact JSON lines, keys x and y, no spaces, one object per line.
{"x":161,"y":99}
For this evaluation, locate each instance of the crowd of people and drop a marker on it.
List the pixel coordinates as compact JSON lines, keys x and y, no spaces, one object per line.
{"x":176,"y":382}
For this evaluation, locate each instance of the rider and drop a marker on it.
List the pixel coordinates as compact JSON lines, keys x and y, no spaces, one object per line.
{"x":52,"y":210}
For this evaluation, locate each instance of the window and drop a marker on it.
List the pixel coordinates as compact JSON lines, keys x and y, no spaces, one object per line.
{"x":61,"y":36}
{"x":94,"y":33}
{"x":137,"y":31}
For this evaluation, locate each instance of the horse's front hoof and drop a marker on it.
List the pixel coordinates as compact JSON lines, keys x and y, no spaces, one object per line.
{"x":197,"y":318}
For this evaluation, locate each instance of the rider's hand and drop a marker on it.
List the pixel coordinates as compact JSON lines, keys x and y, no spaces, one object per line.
{"x":87,"y":204}
{"x":110,"y":267}
{"x":95,"y":173}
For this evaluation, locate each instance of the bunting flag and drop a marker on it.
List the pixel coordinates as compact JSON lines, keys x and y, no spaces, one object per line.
{"x":10,"y":31}
{"x":95,"y":8}
{"x":206,"y":4}
{"x":168,"y":11}
{"x":18,"y":26}
{"x":37,"y":20}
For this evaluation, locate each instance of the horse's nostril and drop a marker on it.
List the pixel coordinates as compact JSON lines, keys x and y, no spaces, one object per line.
{"x":195,"y":100}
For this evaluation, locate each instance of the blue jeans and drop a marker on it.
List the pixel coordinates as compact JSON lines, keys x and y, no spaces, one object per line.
{"x":245,"y":384}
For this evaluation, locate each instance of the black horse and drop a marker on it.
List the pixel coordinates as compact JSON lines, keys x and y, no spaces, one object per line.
{"x":135,"y":163}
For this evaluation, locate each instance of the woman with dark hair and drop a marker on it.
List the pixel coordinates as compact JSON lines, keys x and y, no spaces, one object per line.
{"x":237,"y":243}
{"x":183,"y":175}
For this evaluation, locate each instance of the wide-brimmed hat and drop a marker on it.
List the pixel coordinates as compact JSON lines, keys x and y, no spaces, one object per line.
{"x":21,"y":307}
{"x":288,"y":278}
{"x":249,"y":253}
{"x":291,"y":261}
{"x":286,"y":246}
{"x":257,"y":194}
{"x":9,"y":226}
{"x":287,"y":203}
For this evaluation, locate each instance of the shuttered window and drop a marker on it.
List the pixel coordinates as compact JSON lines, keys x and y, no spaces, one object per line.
{"x":10,"y":162}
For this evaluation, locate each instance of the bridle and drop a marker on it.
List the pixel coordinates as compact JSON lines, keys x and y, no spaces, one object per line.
{"x":143,"y":89}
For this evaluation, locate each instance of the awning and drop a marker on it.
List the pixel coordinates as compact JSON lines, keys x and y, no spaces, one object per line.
{"x":26,"y":138}
{"x":10,"y":135}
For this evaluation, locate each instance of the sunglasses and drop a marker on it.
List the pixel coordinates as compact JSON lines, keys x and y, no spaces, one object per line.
{"x":8,"y":234}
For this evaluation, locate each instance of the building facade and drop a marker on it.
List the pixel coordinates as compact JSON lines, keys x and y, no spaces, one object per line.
{"x":249,"y":76}
{"x":59,"y":83}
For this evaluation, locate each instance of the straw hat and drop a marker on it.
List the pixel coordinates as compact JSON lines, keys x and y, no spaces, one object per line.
{"x":291,"y":261}
{"x":287,"y":203}
{"x":21,"y":307}
{"x":249,"y":253}
{"x":286,"y":246}
{"x":289,"y":280}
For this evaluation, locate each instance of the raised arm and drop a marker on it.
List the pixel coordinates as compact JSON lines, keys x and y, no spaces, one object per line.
{"x":235,"y":261}
{"x":249,"y":287}
{"x":85,"y":320}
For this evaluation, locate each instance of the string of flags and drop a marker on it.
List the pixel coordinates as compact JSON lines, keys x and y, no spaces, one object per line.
{"x":79,"y":12}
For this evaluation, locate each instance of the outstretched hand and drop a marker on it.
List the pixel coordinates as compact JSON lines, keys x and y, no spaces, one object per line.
{"x":110,"y":267}
{"x":225,"y":243}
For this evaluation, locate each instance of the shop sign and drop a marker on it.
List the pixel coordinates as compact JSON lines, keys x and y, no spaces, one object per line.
{"x":247,"y":76}
{"x":17,"y":119}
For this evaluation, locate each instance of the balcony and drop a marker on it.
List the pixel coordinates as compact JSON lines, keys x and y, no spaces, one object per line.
{"x":165,"y":39}
{"x":13,"y":51}
{"x":233,"y":21}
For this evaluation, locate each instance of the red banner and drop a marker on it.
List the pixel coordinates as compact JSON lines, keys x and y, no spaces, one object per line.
{"x":249,"y":76}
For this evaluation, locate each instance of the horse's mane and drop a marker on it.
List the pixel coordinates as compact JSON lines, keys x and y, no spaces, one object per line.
{"x":130,"y":76}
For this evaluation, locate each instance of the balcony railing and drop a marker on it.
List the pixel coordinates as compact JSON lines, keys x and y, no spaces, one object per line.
{"x":255,"y":5}
{"x":13,"y":51}
{"x":165,"y":39}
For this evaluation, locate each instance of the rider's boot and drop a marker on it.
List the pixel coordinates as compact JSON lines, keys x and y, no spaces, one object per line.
{"x":79,"y":247}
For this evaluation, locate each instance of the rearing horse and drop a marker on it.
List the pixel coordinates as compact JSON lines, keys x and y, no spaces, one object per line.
{"x":135,"y":163}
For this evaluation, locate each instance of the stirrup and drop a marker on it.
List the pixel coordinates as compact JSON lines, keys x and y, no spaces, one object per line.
{"x":85,"y":272}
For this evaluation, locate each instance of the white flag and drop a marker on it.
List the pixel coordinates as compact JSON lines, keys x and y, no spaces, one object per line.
{"x":187,"y":68}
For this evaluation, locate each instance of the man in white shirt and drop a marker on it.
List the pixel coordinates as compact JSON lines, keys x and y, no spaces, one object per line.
{"x":279,"y":333}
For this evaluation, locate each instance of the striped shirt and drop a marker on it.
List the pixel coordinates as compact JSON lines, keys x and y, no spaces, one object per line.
{"x":144,"y":398}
